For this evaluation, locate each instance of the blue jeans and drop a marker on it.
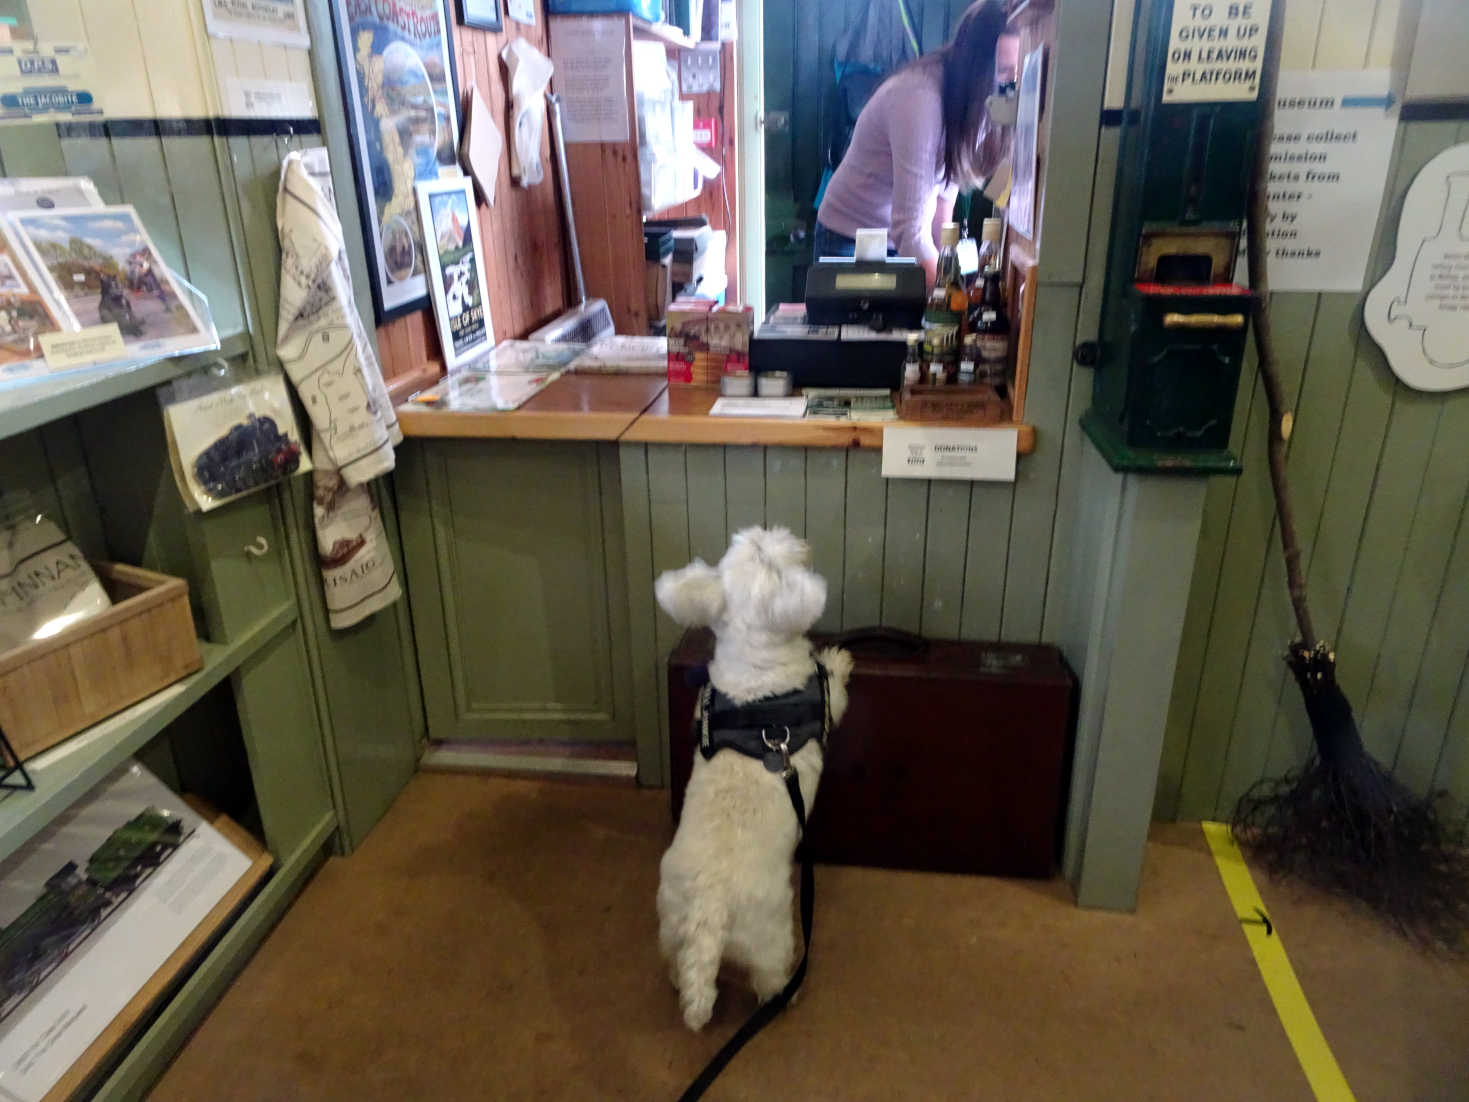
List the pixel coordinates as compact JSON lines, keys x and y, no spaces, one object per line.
{"x":825,"y":242}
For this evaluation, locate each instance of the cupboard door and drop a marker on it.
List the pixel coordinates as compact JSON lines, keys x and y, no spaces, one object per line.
{"x":515,"y":565}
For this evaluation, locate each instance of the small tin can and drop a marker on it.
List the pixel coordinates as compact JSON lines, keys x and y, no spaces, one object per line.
{"x":773,"y":384}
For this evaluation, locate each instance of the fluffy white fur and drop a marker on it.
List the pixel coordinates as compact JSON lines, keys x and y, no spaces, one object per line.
{"x":725,"y":891}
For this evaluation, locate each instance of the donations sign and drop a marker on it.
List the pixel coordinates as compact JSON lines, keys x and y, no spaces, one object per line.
{"x":1215,"y":51}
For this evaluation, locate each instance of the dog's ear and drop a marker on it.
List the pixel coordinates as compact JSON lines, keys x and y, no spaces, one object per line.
{"x":693,"y":596}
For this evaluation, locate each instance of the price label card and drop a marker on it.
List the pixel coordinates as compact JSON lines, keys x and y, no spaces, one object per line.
{"x":96,"y":344}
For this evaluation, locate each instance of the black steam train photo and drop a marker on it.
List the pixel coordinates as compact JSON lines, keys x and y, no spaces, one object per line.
{"x":75,"y":902}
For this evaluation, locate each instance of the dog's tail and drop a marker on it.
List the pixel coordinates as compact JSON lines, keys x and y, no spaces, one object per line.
{"x":697,"y":964}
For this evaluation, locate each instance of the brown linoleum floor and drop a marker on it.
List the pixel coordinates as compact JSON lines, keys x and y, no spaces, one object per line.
{"x":495,"y":939}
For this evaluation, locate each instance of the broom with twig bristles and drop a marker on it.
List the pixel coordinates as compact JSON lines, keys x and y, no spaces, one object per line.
{"x":1341,"y":822}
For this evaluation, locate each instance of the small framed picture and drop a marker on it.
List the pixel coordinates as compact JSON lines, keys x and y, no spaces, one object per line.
{"x":456,"y":269}
{"x":482,"y":14}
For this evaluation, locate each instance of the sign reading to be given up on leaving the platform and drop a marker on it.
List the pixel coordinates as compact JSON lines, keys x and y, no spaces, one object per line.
{"x":1215,"y":50}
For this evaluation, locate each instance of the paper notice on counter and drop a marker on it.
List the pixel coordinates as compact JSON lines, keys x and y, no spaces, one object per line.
{"x":1328,"y":165}
{"x":759,"y":407}
{"x":591,"y":76}
{"x":977,"y":455}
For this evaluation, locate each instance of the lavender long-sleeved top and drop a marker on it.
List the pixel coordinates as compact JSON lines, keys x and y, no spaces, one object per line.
{"x":893,"y":171}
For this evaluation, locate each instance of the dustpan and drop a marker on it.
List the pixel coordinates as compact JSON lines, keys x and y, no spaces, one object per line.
{"x":591,"y":320}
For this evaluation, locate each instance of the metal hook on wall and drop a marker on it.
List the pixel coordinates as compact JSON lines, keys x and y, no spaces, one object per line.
{"x":257,"y":549}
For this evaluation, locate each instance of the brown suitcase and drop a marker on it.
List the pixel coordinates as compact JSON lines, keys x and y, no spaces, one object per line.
{"x":953,"y":757}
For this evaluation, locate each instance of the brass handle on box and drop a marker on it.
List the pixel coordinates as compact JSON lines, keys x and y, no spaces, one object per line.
{"x":1203,"y":321}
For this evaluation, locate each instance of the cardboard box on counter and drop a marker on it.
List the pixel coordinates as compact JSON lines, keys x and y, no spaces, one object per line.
{"x":688,"y":340}
{"x":730,"y":328}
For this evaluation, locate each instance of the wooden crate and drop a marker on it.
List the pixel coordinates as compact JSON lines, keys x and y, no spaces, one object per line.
{"x":52,"y":688}
{"x":977,"y":404}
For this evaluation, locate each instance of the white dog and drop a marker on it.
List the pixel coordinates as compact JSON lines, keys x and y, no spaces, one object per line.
{"x":725,"y":887}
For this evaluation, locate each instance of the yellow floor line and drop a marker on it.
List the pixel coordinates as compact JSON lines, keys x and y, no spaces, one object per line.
{"x":1305,"y":1035}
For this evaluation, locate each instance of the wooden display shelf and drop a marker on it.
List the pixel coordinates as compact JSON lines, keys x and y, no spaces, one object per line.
{"x":149,"y":1054}
{"x":66,"y":772}
{"x":664,"y":32}
{"x":127,"y":1020}
{"x":24,"y":405}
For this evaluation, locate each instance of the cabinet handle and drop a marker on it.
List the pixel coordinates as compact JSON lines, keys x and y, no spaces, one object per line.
{"x":257,"y":549}
{"x":1203,"y":321}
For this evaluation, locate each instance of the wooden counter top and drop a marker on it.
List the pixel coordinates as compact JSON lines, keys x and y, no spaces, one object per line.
{"x":644,"y":409}
{"x":680,"y":415}
{"x":574,"y":407}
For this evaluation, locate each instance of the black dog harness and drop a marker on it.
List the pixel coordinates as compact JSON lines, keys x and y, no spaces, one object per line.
{"x":770,"y":729}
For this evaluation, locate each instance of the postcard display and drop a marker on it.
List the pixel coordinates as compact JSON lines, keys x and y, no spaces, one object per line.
{"x":92,"y":908}
{"x":69,"y":263}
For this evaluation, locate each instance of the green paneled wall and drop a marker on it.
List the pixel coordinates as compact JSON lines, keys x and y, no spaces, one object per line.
{"x":209,"y":205}
{"x":1381,"y":480}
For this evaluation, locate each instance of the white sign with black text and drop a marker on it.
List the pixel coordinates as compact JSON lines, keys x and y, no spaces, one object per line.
{"x":975,"y":455}
{"x":1215,"y":50}
{"x":1419,"y":311}
{"x":1328,"y":165}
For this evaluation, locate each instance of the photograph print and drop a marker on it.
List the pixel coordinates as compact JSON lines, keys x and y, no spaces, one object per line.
{"x":456,"y":270}
{"x":397,"y":64}
{"x":25,"y":312}
{"x":103,"y":266}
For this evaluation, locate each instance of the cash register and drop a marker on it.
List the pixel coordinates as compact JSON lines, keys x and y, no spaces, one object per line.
{"x":852,"y":330}
{"x":881,"y":294}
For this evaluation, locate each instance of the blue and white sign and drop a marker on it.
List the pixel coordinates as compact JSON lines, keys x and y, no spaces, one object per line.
{"x":46,"y":82}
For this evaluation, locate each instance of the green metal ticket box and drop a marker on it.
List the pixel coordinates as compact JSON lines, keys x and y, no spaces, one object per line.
{"x":1174,"y":324}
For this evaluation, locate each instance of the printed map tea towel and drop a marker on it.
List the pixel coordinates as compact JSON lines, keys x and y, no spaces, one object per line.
{"x":330,"y":358}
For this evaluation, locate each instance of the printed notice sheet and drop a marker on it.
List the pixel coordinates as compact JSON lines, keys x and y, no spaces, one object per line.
{"x":1328,"y":165}
{"x":591,"y":76}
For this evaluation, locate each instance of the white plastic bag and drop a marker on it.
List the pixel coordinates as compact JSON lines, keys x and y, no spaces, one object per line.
{"x":233,"y":440}
{"x":46,"y":583}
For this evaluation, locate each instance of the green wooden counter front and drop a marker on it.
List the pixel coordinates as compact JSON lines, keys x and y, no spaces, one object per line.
{"x":530,"y":562}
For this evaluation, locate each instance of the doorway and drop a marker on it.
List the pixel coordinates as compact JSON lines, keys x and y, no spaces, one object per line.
{"x":808,"y":112}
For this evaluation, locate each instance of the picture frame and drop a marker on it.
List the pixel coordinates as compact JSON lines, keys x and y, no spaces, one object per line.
{"x":483,"y":15}
{"x":396,"y":62}
{"x":101,"y":265}
{"x":456,"y":267}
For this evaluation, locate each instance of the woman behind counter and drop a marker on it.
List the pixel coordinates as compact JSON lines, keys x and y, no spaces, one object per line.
{"x":924,"y":133}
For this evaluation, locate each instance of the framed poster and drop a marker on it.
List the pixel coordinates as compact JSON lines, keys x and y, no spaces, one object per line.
{"x":483,"y":14}
{"x":456,"y":267}
{"x":402,"y":102}
{"x":102,"y":265}
{"x":277,"y":22}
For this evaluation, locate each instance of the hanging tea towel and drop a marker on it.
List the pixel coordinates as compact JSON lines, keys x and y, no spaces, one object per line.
{"x":321,"y":340}
{"x":330,"y":359}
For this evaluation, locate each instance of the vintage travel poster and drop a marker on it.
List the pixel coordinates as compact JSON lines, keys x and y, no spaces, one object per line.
{"x":397,"y":65}
{"x":456,"y":264}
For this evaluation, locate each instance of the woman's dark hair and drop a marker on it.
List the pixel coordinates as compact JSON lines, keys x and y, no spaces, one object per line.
{"x":973,"y":144}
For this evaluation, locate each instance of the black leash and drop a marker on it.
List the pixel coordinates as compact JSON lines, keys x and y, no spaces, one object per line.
{"x":770,"y":1010}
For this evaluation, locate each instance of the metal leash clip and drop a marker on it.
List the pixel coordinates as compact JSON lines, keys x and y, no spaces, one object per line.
{"x":777,"y":757}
